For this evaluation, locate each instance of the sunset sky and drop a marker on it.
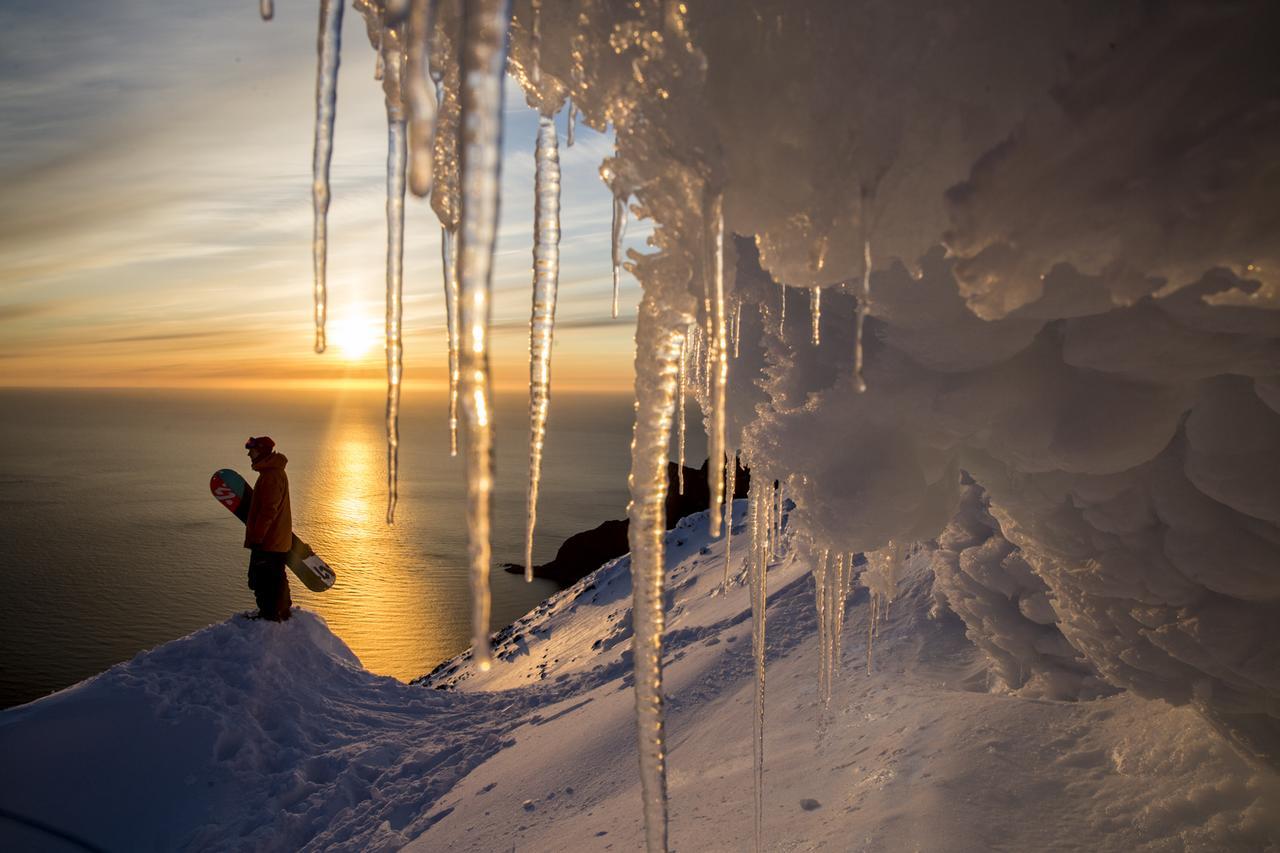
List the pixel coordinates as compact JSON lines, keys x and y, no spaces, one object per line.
{"x":155,"y":221}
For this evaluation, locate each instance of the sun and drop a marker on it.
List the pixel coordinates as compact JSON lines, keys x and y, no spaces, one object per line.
{"x":353,"y":337}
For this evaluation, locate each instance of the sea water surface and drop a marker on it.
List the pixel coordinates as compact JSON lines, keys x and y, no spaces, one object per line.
{"x":113,"y":544}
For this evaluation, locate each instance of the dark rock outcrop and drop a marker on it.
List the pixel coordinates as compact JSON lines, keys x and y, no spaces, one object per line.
{"x":583,"y":553}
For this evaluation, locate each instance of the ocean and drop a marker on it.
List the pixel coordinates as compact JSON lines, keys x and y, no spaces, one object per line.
{"x":113,"y":544}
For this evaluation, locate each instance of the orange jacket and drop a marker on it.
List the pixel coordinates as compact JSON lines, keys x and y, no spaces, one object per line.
{"x":269,"y":526}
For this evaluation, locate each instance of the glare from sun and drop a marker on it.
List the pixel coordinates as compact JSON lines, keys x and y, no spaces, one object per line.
{"x":353,"y":338}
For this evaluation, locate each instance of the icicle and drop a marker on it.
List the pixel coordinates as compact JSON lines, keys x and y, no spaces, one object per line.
{"x":759,"y":598}
{"x":570,"y":124}
{"x":657,"y":347}
{"x":682,"y":380}
{"x":546,"y":279}
{"x":719,"y":360}
{"x":422,"y":106}
{"x":619,"y":229}
{"x":396,"y":11}
{"x":820,"y":594}
{"x":782,"y":311}
{"x":695,"y":357}
{"x":815,"y":310}
{"x":396,"y":161}
{"x":267,"y":9}
{"x":835,"y":625}
{"x":863,"y":301}
{"x":483,"y":69}
{"x":737,"y":325}
{"x":730,"y":480}
{"x":449,"y":268}
{"x":328,"y":48}
{"x":708,"y":366}
{"x":775,"y":518}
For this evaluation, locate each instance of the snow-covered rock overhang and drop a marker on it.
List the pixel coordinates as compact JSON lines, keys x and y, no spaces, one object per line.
{"x":1071,"y":214}
{"x":1034,"y":243}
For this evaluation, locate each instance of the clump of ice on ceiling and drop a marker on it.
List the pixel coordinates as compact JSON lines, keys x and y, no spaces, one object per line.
{"x":1006,"y":606}
{"x":1060,"y":222}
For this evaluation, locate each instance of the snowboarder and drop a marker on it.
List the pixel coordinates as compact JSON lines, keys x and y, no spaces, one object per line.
{"x":269,"y":530}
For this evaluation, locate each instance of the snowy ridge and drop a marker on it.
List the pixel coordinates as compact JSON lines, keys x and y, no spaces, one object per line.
{"x":252,"y":736}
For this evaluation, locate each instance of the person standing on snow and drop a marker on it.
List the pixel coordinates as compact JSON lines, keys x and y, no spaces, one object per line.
{"x":268,"y":530}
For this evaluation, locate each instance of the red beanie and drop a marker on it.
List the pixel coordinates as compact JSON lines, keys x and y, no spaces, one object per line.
{"x":262,"y":441}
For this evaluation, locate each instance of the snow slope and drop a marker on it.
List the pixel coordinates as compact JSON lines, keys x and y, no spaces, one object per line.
{"x":254,"y":736}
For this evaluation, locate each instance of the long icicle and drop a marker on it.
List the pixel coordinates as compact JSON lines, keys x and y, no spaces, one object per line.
{"x":546,"y":278}
{"x":570,"y":125}
{"x":657,"y":356}
{"x":328,"y":50}
{"x":484,"y":62}
{"x":617,"y":231}
{"x":421,"y":103}
{"x":835,"y":620}
{"x":720,"y":357}
{"x":864,"y":302}
{"x":682,"y":381}
{"x":449,"y":268}
{"x":835,"y":629}
{"x":730,"y":479}
{"x":760,"y":548}
{"x":820,"y":581}
{"x":396,"y":162}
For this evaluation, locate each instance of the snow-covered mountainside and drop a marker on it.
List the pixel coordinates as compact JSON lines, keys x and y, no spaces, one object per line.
{"x":255,"y":736}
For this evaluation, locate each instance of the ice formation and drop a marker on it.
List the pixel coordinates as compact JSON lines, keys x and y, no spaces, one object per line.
{"x":682,"y":380}
{"x":388,"y":41}
{"x":617,"y":230}
{"x":1075,"y":216}
{"x":420,"y":98}
{"x":546,"y":273}
{"x":328,"y":48}
{"x":449,"y":270}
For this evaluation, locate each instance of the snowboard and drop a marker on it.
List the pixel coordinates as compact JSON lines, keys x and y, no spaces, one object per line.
{"x":234,"y":493}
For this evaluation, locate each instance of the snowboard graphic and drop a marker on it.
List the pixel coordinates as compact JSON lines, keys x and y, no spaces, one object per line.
{"x":234,"y":493}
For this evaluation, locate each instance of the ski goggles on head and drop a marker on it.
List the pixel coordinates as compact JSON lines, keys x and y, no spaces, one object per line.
{"x":264,"y":442}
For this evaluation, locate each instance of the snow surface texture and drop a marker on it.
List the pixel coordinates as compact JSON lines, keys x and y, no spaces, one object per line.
{"x":256,"y":736}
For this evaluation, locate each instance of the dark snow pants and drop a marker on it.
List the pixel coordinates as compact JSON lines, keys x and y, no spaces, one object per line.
{"x":269,"y":584}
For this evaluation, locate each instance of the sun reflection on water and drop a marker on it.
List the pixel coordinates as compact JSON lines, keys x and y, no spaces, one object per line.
{"x":402,"y":600}
{"x":385,"y":605}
